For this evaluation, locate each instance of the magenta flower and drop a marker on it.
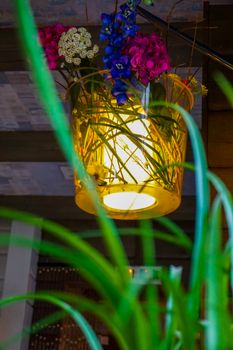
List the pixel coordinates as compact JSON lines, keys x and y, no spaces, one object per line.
{"x":148,"y":56}
{"x":49,"y":38}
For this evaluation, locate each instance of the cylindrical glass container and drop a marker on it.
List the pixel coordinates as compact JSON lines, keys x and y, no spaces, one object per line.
{"x":129,"y":150}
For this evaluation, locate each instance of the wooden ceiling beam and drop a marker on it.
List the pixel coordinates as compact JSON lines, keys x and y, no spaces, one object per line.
{"x":29,"y":146}
{"x":36,"y":146}
{"x":11,"y":58}
{"x":217,"y":101}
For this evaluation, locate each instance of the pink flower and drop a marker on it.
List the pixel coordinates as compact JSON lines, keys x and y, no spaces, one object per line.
{"x":148,"y":56}
{"x":49,"y":38}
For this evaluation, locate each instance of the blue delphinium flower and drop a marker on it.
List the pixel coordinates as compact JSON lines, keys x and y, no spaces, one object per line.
{"x":109,"y":58}
{"x":119,"y":92}
{"x":109,"y":50}
{"x":127,"y":13}
{"x":116,"y":28}
{"x":117,"y":40}
{"x":121,"y":67}
{"x":130,"y":30}
{"x":107,"y":26}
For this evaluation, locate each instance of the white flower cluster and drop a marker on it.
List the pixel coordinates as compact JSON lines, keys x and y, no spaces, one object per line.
{"x":75,"y":44}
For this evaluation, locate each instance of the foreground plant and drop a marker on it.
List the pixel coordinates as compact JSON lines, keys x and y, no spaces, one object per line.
{"x":137,"y":325}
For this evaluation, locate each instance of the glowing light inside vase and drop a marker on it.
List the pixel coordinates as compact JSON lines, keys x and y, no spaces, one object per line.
{"x":128,"y":200}
{"x":129,"y":161}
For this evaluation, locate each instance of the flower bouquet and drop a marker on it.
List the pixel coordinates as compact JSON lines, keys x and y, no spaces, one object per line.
{"x":125,"y":130}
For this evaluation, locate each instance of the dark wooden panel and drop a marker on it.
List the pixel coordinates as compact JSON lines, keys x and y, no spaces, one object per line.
{"x":48,"y":207}
{"x":221,"y":11}
{"x":220,"y":155}
{"x":220,"y":115}
{"x":220,"y":39}
{"x":35,"y":146}
{"x":204,"y":121}
{"x":179,"y":51}
{"x":221,"y":28}
{"x":220,"y":139}
{"x":216,"y":99}
{"x":64,"y":208}
{"x":220,"y":127}
{"x":226,"y":175}
{"x":186,"y":210}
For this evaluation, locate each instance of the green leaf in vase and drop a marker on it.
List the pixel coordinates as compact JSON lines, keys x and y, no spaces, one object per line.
{"x":74,"y":93}
{"x":161,"y":116}
{"x":157,"y":92}
{"x":165,"y":125}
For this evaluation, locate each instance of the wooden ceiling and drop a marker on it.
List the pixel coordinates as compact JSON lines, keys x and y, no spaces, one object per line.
{"x":88,"y":12}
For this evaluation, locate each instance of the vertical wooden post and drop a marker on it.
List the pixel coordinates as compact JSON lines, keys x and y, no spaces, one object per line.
{"x":20,"y":277}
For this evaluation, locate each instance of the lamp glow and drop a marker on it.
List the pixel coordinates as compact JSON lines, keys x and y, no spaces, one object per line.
{"x":128,"y":151}
{"x":131,"y":155}
{"x":128,"y":201}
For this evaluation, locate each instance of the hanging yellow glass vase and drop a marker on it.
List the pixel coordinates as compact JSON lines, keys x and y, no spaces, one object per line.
{"x":129,"y":150}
